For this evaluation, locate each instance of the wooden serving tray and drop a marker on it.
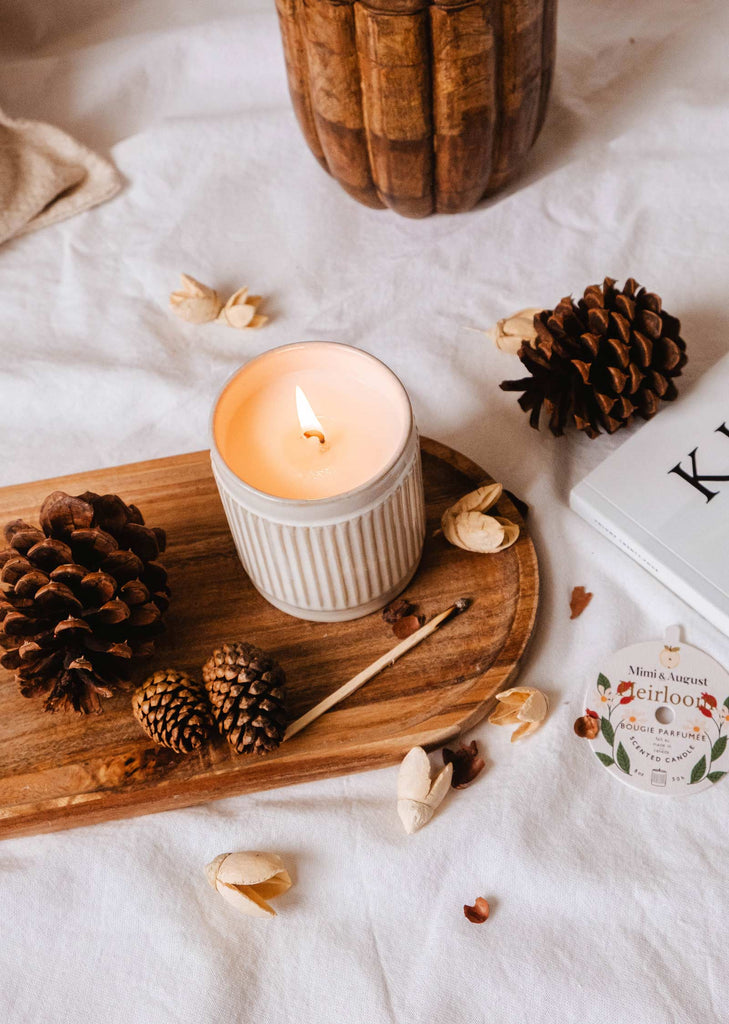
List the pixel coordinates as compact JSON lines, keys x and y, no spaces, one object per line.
{"x":63,"y":770}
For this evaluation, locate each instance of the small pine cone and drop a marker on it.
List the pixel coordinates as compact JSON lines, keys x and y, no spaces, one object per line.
{"x":246,"y":688}
{"x":600,"y":361}
{"x":173,"y":711}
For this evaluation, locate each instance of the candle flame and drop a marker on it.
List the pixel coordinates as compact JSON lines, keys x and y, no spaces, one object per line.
{"x":310,"y":425}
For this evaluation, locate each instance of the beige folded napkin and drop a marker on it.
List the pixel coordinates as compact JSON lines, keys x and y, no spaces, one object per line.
{"x":46,"y":176}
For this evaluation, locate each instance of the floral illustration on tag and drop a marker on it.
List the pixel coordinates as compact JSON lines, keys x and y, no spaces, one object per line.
{"x":614,"y":716}
{"x":610,"y":702}
{"x":719,"y":716}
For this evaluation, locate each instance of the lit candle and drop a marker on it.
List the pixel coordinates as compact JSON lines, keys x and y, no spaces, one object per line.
{"x":316,"y":456}
{"x":352,"y":400}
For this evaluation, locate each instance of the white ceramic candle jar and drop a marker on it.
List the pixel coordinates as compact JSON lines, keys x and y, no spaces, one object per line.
{"x":316,"y":456}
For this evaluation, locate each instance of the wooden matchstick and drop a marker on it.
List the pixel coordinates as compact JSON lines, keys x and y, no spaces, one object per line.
{"x":377,"y":666}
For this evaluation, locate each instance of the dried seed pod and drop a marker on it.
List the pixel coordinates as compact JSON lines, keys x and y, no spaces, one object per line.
{"x":522,"y":706}
{"x":195,"y":302}
{"x":509,"y":333}
{"x":466,"y":525}
{"x":511,"y":533}
{"x":240,"y":311}
{"x":248,"y":880}
{"x":418,"y":795}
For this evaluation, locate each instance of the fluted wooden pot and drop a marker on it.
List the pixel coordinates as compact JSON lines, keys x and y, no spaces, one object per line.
{"x":422,"y":107}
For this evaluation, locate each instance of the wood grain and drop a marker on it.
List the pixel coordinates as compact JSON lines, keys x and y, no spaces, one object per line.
{"x":60,"y":771}
{"x":396,"y":94}
{"x":520,"y":67}
{"x":336,"y":95}
{"x":464,"y":98}
{"x":420,"y":105}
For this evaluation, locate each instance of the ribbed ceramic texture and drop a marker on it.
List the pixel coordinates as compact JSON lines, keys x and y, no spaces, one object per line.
{"x":424,"y":106}
{"x":342,"y":568}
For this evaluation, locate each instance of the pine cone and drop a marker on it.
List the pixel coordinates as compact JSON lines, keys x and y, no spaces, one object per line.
{"x":173,"y":710}
{"x":80,"y":598}
{"x":246,"y":689}
{"x":600,"y":361}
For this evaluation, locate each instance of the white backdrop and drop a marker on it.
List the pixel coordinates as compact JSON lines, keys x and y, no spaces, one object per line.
{"x":607,"y":905}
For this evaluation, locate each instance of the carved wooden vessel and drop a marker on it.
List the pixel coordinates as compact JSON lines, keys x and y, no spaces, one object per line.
{"x":422,"y":107}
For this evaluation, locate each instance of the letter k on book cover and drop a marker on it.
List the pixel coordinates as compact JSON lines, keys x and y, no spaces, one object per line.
{"x":663,"y":496}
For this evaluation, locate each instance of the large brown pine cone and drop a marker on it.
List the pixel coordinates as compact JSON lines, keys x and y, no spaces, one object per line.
{"x":246,"y":688}
{"x":600,"y":361}
{"x":173,"y":710}
{"x":80,"y":598}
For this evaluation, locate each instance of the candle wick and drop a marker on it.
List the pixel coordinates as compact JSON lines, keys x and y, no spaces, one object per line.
{"x":315,"y":433}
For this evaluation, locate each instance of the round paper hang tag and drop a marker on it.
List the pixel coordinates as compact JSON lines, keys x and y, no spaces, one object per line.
{"x":662,"y":712}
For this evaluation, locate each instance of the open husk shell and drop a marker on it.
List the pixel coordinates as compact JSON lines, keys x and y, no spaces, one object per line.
{"x":195,"y":302}
{"x":240,"y":311}
{"x":522,"y":706}
{"x":418,"y":795}
{"x":247,"y":880}
{"x":510,"y":333}
{"x":466,"y":524}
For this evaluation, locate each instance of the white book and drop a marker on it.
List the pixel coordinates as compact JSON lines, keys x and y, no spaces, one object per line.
{"x":663,"y":496}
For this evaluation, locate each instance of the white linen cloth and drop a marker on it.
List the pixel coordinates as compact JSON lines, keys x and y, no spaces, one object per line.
{"x":607,"y":905}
